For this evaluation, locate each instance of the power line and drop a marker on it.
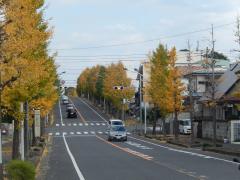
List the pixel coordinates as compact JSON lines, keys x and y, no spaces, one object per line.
{"x":146,"y":41}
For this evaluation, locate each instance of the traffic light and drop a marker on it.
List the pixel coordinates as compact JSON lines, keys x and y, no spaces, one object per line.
{"x":118,"y":87}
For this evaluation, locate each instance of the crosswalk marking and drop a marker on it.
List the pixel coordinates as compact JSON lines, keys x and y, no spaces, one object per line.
{"x":81,"y":124}
{"x":85,"y":133}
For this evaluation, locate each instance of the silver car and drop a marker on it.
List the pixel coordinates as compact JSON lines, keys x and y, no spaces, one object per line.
{"x":117,"y":133}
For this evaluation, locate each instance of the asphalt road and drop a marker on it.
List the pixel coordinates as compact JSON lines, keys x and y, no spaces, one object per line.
{"x":80,"y":151}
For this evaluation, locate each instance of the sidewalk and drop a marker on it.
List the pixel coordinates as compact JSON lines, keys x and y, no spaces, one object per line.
{"x":204,"y":144}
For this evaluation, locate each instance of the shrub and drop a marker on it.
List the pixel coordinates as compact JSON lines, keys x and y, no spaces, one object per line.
{"x":20,"y":170}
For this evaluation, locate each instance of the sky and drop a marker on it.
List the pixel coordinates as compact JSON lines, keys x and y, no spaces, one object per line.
{"x":91,"y":32}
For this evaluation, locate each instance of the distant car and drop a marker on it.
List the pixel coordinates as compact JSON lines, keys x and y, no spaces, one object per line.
{"x":65,"y":99}
{"x":117,"y":133}
{"x":185,"y":126}
{"x":72,"y":113}
{"x":115,"y":122}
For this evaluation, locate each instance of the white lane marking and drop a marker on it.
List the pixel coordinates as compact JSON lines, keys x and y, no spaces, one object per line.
{"x":74,"y":124}
{"x":69,"y":124}
{"x":138,"y":145}
{"x":60,"y":110}
{"x":50,"y":134}
{"x":64,"y":133}
{"x":63,"y":124}
{"x":80,"y":124}
{"x":185,"y":152}
{"x":92,"y":124}
{"x":97,"y":124}
{"x":57,"y":133}
{"x":103,"y":124}
{"x":79,"y":133}
{"x":85,"y":132}
{"x":106,"y":132}
{"x":79,"y":173}
{"x":92,"y":132}
{"x":86,"y":124}
{"x":72,"y":133}
{"x":93,"y":110}
{"x":128,"y":133}
{"x":57,"y":124}
{"x":100,"y":132}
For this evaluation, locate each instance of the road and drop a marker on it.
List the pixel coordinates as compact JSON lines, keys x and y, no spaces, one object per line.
{"x":80,"y":150}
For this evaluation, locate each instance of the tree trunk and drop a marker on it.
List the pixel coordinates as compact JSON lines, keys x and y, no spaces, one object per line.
{"x":15,"y":145}
{"x":164,"y":126}
{"x":214,"y":126}
{"x":176,"y":129}
{"x":154,"y":123}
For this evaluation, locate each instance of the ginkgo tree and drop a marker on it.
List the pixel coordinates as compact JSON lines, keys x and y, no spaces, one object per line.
{"x":99,"y":81}
{"x":24,"y":53}
{"x":165,"y":87}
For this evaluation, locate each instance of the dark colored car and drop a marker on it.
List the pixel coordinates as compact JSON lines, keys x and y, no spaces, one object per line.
{"x":72,"y":113}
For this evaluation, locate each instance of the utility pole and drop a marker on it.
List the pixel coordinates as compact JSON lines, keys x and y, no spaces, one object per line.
{"x":213,"y":62}
{"x":26,"y":119}
{"x":140,"y":99}
{"x":190,"y":90}
{"x":1,"y":160}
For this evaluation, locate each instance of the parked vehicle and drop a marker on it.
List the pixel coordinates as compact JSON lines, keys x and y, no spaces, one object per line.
{"x":185,"y":126}
{"x":4,"y":130}
{"x":117,"y":133}
{"x":72,"y":113}
{"x":115,"y":122}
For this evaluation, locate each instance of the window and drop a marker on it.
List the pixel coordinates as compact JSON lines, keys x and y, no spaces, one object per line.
{"x":201,"y":82}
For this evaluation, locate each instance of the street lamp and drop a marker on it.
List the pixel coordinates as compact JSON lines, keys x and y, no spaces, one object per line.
{"x":140,"y":95}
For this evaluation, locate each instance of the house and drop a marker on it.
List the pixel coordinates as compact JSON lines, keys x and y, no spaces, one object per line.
{"x":227,"y":107}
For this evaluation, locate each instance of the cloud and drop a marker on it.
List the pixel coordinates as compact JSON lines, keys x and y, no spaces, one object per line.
{"x":120,"y":27}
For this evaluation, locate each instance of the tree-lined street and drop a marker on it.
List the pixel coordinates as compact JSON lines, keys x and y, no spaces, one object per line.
{"x":80,"y":150}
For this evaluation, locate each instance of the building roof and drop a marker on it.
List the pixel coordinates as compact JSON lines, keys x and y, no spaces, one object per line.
{"x":227,"y":80}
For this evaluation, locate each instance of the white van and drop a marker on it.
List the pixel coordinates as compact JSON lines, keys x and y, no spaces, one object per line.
{"x":185,"y":126}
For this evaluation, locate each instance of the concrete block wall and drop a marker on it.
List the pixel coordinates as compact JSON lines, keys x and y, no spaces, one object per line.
{"x":223,"y":130}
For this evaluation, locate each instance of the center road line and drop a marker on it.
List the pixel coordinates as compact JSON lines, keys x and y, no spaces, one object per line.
{"x":127,"y":150}
{"x":81,"y":117}
{"x":168,"y":148}
{"x":79,"y":173}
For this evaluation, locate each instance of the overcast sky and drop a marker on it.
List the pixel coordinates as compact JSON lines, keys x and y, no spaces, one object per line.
{"x":81,"y":25}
